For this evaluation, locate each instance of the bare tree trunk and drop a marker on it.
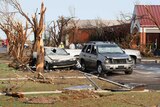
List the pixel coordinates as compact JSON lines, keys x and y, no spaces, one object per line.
{"x":40,"y":55}
{"x":38,"y":29}
{"x":39,"y":40}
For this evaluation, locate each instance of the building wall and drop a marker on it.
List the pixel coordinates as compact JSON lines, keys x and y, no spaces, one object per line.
{"x":147,"y":37}
{"x":81,"y":36}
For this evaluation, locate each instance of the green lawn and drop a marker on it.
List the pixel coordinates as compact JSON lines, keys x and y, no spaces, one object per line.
{"x":6,"y":72}
{"x":149,"y":99}
{"x":69,"y":99}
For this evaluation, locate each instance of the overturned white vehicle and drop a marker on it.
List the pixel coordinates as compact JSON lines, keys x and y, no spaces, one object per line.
{"x":56,"y":58}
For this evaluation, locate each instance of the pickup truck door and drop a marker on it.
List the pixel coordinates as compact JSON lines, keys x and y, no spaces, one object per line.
{"x":93,"y":61}
{"x":87,"y":56}
{"x":93,"y":57}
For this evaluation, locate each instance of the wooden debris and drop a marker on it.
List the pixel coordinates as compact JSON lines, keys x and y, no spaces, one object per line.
{"x":41,"y":79}
{"x":15,"y":94}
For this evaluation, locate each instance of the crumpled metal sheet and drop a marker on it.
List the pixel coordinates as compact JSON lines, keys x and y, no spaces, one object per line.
{"x":80,"y":87}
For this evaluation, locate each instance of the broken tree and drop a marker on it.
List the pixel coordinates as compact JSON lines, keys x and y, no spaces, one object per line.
{"x":16,"y":35}
{"x":57,"y":30}
{"x":38,"y":29}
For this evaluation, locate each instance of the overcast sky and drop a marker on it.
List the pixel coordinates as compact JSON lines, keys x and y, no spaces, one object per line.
{"x":84,"y":9}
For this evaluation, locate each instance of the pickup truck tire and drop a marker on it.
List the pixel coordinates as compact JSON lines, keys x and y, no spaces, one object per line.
{"x":99,"y":68}
{"x":133,"y":59}
{"x":129,"y":72}
{"x":83,"y":66}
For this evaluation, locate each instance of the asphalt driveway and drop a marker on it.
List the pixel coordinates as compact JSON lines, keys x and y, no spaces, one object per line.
{"x":147,"y":74}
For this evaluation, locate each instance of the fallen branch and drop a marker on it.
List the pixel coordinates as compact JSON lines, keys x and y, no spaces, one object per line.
{"x":41,"y":79}
{"x":15,"y":94}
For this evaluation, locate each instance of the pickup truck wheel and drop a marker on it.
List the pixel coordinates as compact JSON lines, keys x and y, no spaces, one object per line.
{"x":100,"y":70}
{"x":133,"y":60}
{"x":83,"y":66}
{"x":129,"y":71}
{"x":47,"y":66}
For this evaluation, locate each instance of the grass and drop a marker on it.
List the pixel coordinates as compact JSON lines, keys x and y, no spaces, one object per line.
{"x":69,"y":99}
{"x":105,"y":100}
{"x":59,"y":84}
{"x":6,"y":72}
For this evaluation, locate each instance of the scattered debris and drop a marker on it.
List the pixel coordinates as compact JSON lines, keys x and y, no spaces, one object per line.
{"x":133,"y":87}
{"x":42,"y":92}
{"x":80,"y":94}
{"x":115,"y":83}
{"x":124,"y":87}
{"x":15,"y":94}
{"x":80,"y":87}
{"x":136,"y":86}
{"x":95,"y":85}
{"x":119,"y":90}
{"x":12,"y":79}
{"x":67,"y":95}
{"x":41,"y":100}
{"x":11,"y":89}
{"x":41,"y":79}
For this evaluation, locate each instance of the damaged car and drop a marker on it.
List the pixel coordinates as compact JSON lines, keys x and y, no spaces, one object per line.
{"x":105,"y":57}
{"x":57,"y":58}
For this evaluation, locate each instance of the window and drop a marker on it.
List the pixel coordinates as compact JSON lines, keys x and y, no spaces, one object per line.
{"x":55,"y":51}
{"x":109,"y":49}
{"x":84,"y":48}
{"x":93,"y":49}
{"x":88,"y":49}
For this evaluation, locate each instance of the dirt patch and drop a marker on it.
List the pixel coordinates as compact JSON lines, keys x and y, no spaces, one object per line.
{"x":78,"y":95}
{"x":41,"y":100}
{"x":67,"y":95}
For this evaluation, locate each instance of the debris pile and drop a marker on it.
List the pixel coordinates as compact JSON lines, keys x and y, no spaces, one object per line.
{"x":67,"y":95}
{"x":81,"y":94}
{"x":41,"y":100}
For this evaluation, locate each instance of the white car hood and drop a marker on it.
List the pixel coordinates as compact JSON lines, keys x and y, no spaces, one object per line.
{"x":73,"y":52}
{"x":133,"y":52}
{"x":60,"y":57}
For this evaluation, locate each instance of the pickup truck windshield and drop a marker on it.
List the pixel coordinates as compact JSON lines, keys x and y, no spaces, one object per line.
{"x":109,"y":49}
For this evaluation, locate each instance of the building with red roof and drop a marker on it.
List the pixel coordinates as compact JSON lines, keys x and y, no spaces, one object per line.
{"x":146,"y":24}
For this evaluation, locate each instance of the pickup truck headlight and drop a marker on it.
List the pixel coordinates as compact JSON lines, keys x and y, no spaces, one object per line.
{"x":107,"y":61}
{"x":129,"y":59}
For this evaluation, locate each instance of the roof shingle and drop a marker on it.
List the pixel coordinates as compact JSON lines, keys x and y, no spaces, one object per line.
{"x":148,"y":13}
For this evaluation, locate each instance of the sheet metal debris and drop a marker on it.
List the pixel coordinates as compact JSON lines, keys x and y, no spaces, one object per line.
{"x":136,"y":86}
{"x":80,"y":87}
